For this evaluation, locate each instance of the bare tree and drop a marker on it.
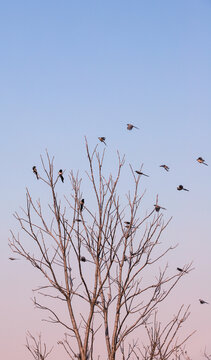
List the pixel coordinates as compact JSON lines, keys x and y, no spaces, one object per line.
{"x":37,"y":349}
{"x":100,"y":263}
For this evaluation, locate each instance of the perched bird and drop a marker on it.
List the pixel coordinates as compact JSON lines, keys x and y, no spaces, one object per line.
{"x":61,"y":175}
{"x":180,"y":187}
{"x":201,"y":160}
{"x":81,"y":204}
{"x":83,"y":259}
{"x":130,"y":126}
{"x":181,"y":270}
{"x":203,"y":302}
{"x":127,"y":223}
{"x":165,"y":167}
{"x":141,"y":173}
{"x":158,"y":207}
{"x":102,"y":139}
{"x":35,"y":172}
{"x":78,"y":220}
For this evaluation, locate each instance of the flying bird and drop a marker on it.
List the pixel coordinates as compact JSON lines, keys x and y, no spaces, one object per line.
{"x":81,"y":204}
{"x":130,"y":126}
{"x":35,"y":172}
{"x":141,"y":173}
{"x":180,"y":187}
{"x":201,"y":160}
{"x":102,"y":139}
{"x":165,"y":167}
{"x":158,"y":207}
{"x":203,"y":302}
{"x":61,"y":175}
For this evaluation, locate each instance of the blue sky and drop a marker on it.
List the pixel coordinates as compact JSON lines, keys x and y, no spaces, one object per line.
{"x":71,"y":69}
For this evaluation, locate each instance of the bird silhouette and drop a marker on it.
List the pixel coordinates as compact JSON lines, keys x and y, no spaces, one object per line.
{"x":141,"y":173}
{"x":35,"y":172}
{"x":83,"y":259}
{"x":130,"y":126}
{"x":181,"y":187}
{"x":203,"y":302}
{"x":61,"y":175}
{"x":102,"y":139}
{"x":81,"y":204}
{"x":181,"y":270}
{"x":201,"y":160}
{"x":165,"y":167}
{"x":158,"y":207}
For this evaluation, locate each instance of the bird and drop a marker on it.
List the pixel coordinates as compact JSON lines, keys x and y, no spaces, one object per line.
{"x":127,"y":222}
{"x":141,"y":173}
{"x":201,"y":160}
{"x":203,"y":302}
{"x":180,"y":187}
{"x":83,"y":259}
{"x":35,"y":172}
{"x":61,"y":175}
{"x":158,"y":207}
{"x":165,"y":167}
{"x":130,"y":127}
{"x":181,"y":270}
{"x":102,"y":139}
{"x":81,"y":204}
{"x":12,"y":258}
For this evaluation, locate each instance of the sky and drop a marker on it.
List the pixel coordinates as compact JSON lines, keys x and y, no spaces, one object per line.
{"x":71,"y":69}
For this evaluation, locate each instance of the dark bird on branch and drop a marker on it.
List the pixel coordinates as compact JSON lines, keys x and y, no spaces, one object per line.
{"x":35,"y":172}
{"x":201,"y":161}
{"x":61,"y":175}
{"x":83,"y":259}
{"x":165,"y":167}
{"x":81,"y":204}
{"x":158,"y":207}
{"x":130,"y":127}
{"x":102,"y":139}
{"x":181,"y":270}
{"x":180,"y":187}
{"x":203,"y":302}
{"x":141,"y":173}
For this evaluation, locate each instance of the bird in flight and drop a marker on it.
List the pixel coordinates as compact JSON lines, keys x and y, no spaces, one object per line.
{"x":203,"y":302}
{"x":181,"y":187}
{"x":141,"y":173}
{"x":102,"y":139}
{"x":81,"y":204}
{"x":165,"y":167}
{"x":130,"y":126}
{"x":35,"y":172}
{"x":158,"y":207}
{"x":201,"y":160}
{"x":61,"y":175}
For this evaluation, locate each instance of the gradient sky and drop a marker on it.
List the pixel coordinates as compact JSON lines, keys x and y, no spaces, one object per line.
{"x":75,"y":68}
